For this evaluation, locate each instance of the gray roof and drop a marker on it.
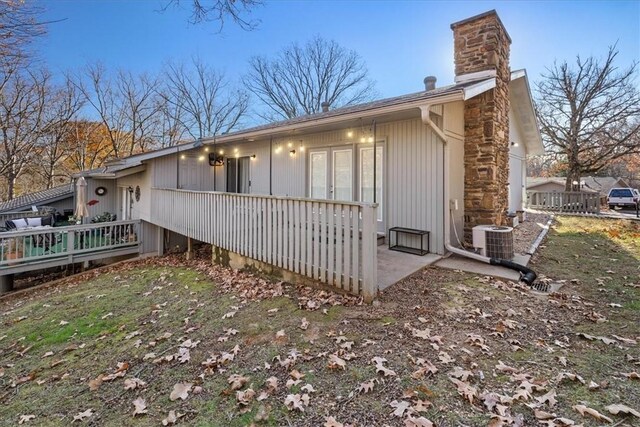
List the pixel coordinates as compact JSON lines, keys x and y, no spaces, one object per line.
{"x":360,"y":108}
{"x":601,"y":184}
{"x":38,"y":198}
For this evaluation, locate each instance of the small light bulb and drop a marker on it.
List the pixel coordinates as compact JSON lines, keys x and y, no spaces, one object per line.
{"x":362,"y":139}
{"x":237,"y":155}
{"x":349,"y":134}
{"x":290,"y":145}
{"x":201,"y":159}
{"x":206,"y":149}
{"x":302,"y":148}
{"x":370,"y":139}
{"x":221,"y":152}
{"x":235,"y":150}
{"x":183,"y":157}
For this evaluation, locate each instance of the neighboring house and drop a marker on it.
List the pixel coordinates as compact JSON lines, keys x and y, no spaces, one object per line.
{"x":304,"y":195}
{"x":60,"y":198}
{"x":589,"y":184}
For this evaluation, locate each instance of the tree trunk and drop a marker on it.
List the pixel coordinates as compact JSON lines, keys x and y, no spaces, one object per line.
{"x":573,"y":175}
{"x":11,"y":183}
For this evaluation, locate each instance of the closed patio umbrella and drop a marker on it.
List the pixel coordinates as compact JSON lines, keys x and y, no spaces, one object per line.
{"x":81,"y":199}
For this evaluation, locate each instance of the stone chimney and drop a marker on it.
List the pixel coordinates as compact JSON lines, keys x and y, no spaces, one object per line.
{"x":325,"y":106}
{"x":430,"y":83}
{"x":481,"y":51}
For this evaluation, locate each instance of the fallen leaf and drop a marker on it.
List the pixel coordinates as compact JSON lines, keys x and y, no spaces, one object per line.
{"x":180,"y":391}
{"x":620,"y":408}
{"x":237,"y":381}
{"x":400,"y":407}
{"x":140,"y":407}
{"x":584,"y":410}
{"x":25,"y":418}
{"x":171,"y":418}
{"x":82,"y":415}
{"x":367,"y":386}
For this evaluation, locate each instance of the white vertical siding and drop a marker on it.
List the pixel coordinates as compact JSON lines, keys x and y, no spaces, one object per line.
{"x":413,"y":189}
{"x":106,"y":203}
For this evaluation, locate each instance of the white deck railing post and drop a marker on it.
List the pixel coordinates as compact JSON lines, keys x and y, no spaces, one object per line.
{"x":369,"y":252}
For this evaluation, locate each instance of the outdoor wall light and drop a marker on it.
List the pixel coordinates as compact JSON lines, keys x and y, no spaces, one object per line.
{"x":514,"y":144}
{"x":253,"y":157}
{"x":292,"y":153}
{"x":278,"y":149}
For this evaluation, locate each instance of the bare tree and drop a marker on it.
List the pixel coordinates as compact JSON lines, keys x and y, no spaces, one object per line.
{"x":22,"y":104}
{"x":62,"y":104}
{"x":138,"y":95}
{"x":19,"y":26}
{"x":102,"y":95}
{"x":589,"y":115}
{"x":301,"y":78}
{"x":201,"y":96}
{"x":170,"y":129}
{"x":221,"y":10}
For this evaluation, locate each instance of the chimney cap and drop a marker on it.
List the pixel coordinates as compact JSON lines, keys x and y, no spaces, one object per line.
{"x":325,"y":106}
{"x":430,"y":82}
{"x":480,"y":16}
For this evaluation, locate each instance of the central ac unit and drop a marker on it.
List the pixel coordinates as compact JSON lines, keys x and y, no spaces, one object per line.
{"x":493,"y":241}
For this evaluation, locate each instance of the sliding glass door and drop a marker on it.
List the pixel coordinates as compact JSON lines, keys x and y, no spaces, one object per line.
{"x":239,"y":175}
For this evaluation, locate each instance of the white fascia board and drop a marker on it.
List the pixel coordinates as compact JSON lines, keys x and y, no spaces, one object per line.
{"x":478,"y":88}
{"x":478,"y":75}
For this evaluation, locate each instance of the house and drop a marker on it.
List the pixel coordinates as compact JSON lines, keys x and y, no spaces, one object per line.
{"x":313,"y":196}
{"x":588,"y":184}
{"x":59,"y":198}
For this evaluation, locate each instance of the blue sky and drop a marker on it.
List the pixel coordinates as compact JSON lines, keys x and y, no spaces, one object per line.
{"x":401,"y":41}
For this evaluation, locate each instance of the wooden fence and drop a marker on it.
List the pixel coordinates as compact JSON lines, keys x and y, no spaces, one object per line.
{"x":329,"y":241}
{"x":564,"y":201}
{"x":38,"y":245}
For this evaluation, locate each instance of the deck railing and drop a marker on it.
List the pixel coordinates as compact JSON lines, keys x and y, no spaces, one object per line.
{"x":329,"y":241}
{"x":564,"y":201}
{"x":42,"y":244}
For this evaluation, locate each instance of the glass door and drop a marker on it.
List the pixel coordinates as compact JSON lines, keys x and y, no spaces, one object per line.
{"x":342,"y":174}
{"x":239,"y":175}
{"x":318,"y":174}
{"x":331,"y":174}
{"x":366,"y":179}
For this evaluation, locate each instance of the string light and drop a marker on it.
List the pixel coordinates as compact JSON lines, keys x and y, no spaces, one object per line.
{"x":201,"y":159}
{"x":350,"y":134}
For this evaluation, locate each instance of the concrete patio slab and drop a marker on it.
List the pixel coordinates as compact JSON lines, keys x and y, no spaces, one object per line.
{"x":394,"y":266}
{"x":456,"y":262}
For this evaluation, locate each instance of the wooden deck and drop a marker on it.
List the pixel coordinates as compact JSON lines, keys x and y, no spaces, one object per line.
{"x":40,"y":248}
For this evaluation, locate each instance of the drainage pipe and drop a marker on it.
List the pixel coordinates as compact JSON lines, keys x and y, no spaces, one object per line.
{"x":526,"y":274}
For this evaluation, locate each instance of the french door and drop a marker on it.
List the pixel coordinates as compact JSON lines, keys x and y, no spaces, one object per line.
{"x":332,"y":175}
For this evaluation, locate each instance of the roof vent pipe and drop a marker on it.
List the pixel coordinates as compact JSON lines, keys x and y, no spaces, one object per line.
{"x":430,"y":83}
{"x":325,"y":106}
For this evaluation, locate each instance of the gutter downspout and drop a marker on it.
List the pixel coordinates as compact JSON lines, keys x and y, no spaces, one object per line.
{"x":527,"y":275}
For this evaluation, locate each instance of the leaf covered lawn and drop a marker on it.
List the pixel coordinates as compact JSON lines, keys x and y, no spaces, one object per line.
{"x":169,"y":342}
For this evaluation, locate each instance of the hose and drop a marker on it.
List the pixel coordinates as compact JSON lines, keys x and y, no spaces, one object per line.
{"x":527,"y":275}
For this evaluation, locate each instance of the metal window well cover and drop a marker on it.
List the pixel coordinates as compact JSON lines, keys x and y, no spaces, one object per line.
{"x":499,"y":242}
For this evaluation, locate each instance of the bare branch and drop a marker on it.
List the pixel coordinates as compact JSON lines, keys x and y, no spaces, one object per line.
{"x":301,"y":78}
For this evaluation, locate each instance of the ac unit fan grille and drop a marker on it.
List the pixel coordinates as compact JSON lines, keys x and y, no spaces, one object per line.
{"x":499,"y":244}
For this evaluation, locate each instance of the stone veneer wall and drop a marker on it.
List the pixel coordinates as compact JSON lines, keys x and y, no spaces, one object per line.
{"x":481,"y":43}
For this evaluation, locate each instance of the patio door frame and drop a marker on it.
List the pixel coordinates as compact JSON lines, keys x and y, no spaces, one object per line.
{"x":356,"y":174}
{"x":330,"y":153}
{"x":247,"y":161}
